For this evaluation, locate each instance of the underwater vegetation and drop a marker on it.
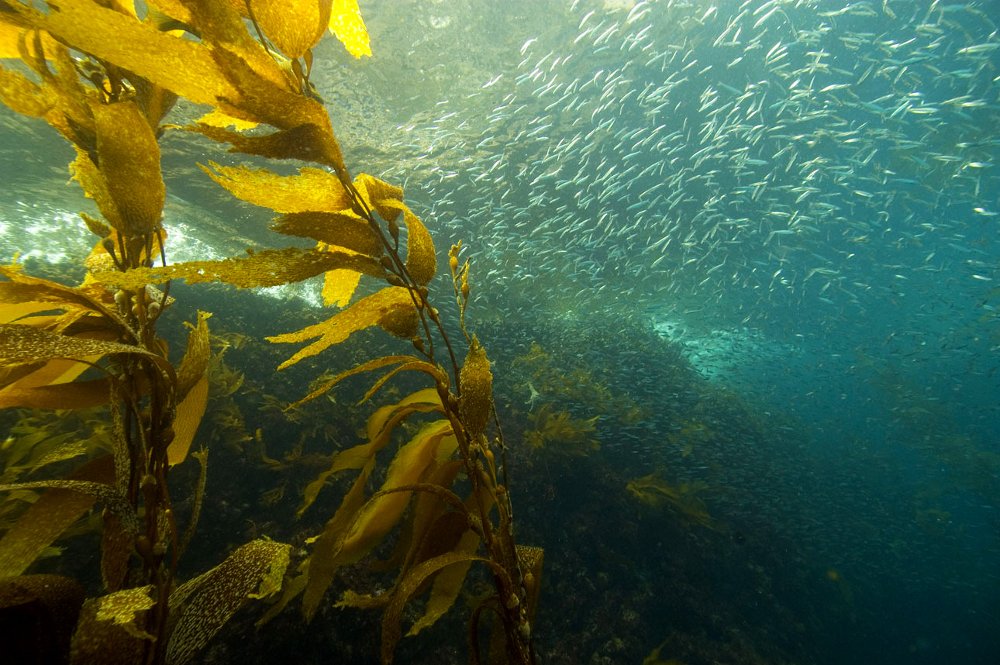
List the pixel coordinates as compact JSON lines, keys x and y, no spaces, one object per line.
{"x":682,"y":497}
{"x":107,"y":77}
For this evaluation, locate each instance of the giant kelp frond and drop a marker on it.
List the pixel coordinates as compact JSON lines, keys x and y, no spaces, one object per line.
{"x":402,"y":363}
{"x":110,"y":629}
{"x":391,"y":308}
{"x":293,"y":38}
{"x":380,"y":427}
{"x":416,"y":577}
{"x":655,"y":491}
{"x":47,"y":518}
{"x":204,"y":604}
{"x":344,"y":228}
{"x":310,"y":190}
{"x":227,"y":68}
{"x":348,"y":26}
{"x":560,"y":430}
{"x":128,"y":153}
{"x":360,"y":525}
{"x":272,"y":267}
{"x":34,"y":295}
{"x":23,"y":344}
{"x":106,"y":81}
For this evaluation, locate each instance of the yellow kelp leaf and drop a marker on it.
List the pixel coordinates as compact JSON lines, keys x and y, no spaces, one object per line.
{"x":385,"y":418}
{"x":104,"y":642}
{"x":380,"y":427}
{"x":293,"y":26}
{"x":10,"y":35}
{"x":224,"y":27}
{"x":168,"y":14}
{"x":281,"y":107}
{"x":123,"y":6}
{"x":24,"y":288}
{"x":383,"y":511}
{"x":571,"y":435}
{"x":12,"y":311}
{"x":46,"y":518}
{"x":336,"y":229}
{"x":651,"y":489}
{"x":432,"y":370}
{"x":123,"y":608}
{"x":413,"y":580}
{"x":204,"y":604}
{"x":55,"y":371}
{"x":348,"y":26}
{"x":377,"y":192}
{"x":264,"y":90}
{"x":22,"y":95}
{"x":189,"y":414}
{"x":403,"y":363}
{"x":437,"y":522}
{"x":421,"y":261}
{"x":530,"y":560}
{"x":447,"y":584}
{"x":199,"y":496}
{"x":304,"y":142}
{"x":323,"y":564}
{"x":129,"y":159}
{"x":476,"y":382}
{"x":117,"y":548}
{"x":196,"y":355}
{"x":21,"y":344}
{"x":682,"y":497}
{"x":220,"y":120}
{"x":113,"y":500}
{"x":294,"y":586}
{"x":339,"y":286}
{"x":84,"y":170}
{"x":271,"y":267}
{"x":181,"y":65}
{"x":365,"y":313}
{"x":362,"y":601}
{"x":155,"y":102}
{"x":341,"y":542}
{"x":65,"y":451}
{"x":81,"y":395}
{"x":311,"y":190}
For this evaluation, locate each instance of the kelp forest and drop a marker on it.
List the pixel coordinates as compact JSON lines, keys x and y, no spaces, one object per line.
{"x":106,"y":79}
{"x":187,"y":480}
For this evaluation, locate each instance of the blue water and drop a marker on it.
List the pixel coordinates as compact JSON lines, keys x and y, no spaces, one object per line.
{"x":770,"y":225}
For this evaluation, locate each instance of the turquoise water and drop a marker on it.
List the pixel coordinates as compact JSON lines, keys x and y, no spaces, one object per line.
{"x":770,"y":226}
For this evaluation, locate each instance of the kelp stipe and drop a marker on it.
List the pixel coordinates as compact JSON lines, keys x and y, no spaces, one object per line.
{"x":251,"y":63}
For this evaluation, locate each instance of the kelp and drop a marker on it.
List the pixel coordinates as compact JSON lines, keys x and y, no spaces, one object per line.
{"x":552,"y":429}
{"x":52,"y":334}
{"x":273,"y":267}
{"x":201,"y":606}
{"x":427,"y":465}
{"x":346,"y":23}
{"x":106,"y":78}
{"x":47,"y":518}
{"x":682,"y":498}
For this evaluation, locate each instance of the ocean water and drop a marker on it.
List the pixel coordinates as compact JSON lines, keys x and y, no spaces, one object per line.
{"x":757,"y":241}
